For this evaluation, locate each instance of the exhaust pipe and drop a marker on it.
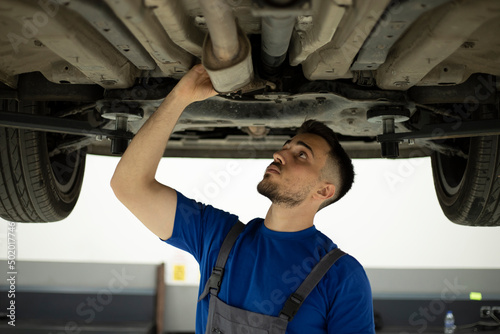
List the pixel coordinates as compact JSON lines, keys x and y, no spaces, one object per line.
{"x":226,"y":51}
{"x":276,"y":35}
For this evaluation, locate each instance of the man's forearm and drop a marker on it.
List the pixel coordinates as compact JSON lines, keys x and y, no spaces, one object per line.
{"x":134,"y":183}
{"x":141,"y":159}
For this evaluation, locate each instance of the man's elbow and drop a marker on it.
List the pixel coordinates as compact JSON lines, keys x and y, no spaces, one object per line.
{"x":121,"y":188}
{"x":117,"y":186}
{"x":128,"y":189}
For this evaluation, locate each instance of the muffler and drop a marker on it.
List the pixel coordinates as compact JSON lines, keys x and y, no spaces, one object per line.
{"x":226,"y":51}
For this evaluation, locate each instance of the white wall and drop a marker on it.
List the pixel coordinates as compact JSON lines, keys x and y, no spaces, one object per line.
{"x":390,"y":219}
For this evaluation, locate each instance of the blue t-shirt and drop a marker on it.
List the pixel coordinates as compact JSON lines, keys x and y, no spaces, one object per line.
{"x":265,"y":267}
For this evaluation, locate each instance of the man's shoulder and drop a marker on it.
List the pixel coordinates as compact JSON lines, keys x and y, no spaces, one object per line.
{"x":188,"y":207}
{"x":347,"y":263}
{"x":347,"y":270}
{"x":351,"y":264}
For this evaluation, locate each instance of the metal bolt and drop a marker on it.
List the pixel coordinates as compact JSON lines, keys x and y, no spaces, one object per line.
{"x":119,"y":145}
{"x":109,"y":82}
{"x":389,"y":149}
{"x":121,"y":123}
{"x":200,"y":21}
{"x":320,"y":100}
{"x":388,"y":125}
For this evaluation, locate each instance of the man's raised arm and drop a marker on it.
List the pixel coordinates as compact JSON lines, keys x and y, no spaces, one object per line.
{"x":134,"y":182}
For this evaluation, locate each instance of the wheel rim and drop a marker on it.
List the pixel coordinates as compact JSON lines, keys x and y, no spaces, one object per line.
{"x":65,"y":166}
{"x":451,"y":173}
{"x":65,"y":170}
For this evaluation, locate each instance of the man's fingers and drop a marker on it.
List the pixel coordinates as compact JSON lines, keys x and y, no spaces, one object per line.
{"x":199,"y":68}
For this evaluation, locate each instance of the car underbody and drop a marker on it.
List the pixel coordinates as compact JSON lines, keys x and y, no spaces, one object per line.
{"x":397,"y":79}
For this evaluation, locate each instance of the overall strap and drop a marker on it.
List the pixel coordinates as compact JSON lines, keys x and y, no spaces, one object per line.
{"x":294,"y":302}
{"x":213,"y":284}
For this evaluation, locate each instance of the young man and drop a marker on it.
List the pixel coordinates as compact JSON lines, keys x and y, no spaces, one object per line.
{"x":271,"y":257}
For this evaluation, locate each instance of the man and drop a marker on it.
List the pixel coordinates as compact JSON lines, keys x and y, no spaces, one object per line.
{"x":271,"y":257}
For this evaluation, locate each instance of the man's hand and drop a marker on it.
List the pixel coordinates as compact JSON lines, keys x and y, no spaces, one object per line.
{"x":194,"y":86}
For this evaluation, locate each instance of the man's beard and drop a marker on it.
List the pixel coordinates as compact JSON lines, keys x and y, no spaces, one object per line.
{"x":271,"y":191}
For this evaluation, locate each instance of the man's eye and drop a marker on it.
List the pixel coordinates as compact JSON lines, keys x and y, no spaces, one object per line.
{"x":303,"y":155}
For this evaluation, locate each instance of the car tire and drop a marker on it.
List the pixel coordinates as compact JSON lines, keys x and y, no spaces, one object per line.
{"x":468,"y":189}
{"x":35,"y":187}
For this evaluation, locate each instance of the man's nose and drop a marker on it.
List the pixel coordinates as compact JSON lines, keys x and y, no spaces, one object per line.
{"x":279,"y":157}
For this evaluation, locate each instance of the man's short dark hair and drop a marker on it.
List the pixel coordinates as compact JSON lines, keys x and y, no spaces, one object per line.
{"x":339,"y":163}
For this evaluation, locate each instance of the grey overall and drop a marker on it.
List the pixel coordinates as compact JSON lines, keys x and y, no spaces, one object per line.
{"x":226,"y":319}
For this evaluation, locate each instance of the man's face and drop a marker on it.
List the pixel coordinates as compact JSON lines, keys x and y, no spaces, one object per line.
{"x":296,"y":170}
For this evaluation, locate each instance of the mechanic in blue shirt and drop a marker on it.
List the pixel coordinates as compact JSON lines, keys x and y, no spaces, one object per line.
{"x":272,"y":256}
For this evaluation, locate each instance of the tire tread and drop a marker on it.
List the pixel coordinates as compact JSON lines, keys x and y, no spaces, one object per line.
{"x":24,"y":195}
{"x":477,"y":202}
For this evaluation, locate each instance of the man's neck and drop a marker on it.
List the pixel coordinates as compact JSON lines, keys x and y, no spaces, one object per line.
{"x":284,"y":219}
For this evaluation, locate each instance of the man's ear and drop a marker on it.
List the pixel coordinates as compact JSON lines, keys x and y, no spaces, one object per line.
{"x":326,"y":191}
